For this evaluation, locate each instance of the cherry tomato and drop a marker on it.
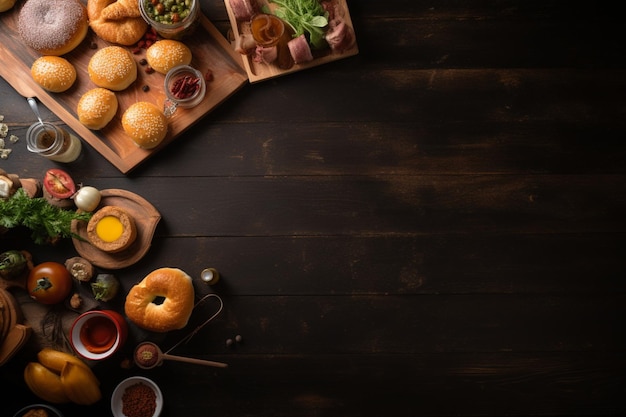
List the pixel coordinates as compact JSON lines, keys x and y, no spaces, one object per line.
{"x":59,"y":184}
{"x":49,"y":283}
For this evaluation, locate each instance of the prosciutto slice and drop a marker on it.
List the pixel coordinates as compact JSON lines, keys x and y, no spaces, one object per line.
{"x":265,"y":55}
{"x":300,"y":50}
{"x":340,"y":36}
{"x":243,"y":9}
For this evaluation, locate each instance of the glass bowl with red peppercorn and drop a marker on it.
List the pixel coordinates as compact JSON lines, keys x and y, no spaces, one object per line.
{"x":137,"y":396}
{"x":185,"y":87}
{"x":172,"y":19}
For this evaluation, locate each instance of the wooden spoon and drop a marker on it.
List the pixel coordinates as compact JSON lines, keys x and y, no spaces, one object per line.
{"x":148,"y":355}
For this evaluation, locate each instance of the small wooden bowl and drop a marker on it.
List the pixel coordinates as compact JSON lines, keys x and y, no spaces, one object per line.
{"x":146,"y":220}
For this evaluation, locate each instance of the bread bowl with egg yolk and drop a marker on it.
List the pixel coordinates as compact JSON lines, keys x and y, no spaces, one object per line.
{"x":111,"y":229}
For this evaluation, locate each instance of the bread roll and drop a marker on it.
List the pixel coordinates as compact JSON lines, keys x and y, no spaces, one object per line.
{"x":176,"y":289}
{"x":166,"y":54}
{"x":145,"y":124}
{"x":53,"y":73}
{"x":97,"y":107}
{"x":112,"y":67}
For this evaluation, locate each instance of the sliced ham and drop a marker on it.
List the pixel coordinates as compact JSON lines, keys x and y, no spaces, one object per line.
{"x":300,"y":50}
{"x":340,"y":36}
{"x":265,"y":55}
{"x":244,"y":9}
{"x":245,"y":44}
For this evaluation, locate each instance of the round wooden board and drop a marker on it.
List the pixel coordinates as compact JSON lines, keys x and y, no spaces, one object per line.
{"x":146,"y":219}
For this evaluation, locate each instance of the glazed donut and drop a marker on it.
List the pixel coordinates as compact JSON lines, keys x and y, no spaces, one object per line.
{"x":174,"y":287}
{"x":117,"y":22}
{"x":53,"y":27}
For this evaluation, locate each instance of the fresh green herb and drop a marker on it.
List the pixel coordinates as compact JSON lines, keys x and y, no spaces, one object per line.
{"x":45,"y":221}
{"x":305,"y":16}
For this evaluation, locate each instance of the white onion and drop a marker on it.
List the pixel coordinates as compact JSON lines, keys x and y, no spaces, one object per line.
{"x":87,"y":198}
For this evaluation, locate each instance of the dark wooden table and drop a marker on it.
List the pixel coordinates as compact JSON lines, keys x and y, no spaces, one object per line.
{"x":433,"y":227}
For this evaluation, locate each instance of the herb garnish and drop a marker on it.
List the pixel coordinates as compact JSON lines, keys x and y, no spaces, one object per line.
{"x":305,"y":16}
{"x":45,"y":221}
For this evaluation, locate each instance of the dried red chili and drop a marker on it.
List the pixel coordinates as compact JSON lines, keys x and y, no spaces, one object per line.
{"x":138,"y":400}
{"x":185,"y":87}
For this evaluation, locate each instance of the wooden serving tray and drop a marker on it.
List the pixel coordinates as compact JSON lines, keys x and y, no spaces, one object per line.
{"x":211,"y":52}
{"x":261,"y":71}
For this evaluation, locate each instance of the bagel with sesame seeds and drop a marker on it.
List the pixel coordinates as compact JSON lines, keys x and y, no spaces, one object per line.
{"x":96,"y":108}
{"x":112,"y":67}
{"x":145,"y":124}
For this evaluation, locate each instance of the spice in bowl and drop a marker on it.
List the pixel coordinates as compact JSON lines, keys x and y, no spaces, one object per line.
{"x":137,"y":397}
{"x":138,"y":400}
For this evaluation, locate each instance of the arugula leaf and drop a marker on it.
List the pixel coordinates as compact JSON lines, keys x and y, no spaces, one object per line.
{"x":45,"y":221}
{"x":305,"y":16}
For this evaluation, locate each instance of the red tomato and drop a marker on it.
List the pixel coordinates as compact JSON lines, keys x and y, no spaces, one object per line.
{"x":49,"y":283}
{"x":59,"y":184}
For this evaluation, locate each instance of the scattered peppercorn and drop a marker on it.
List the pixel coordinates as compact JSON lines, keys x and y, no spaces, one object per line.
{"x":149,"y":70}
{"x":93,"y":45}
{"x":146,"y":88}
{"x":143,"y":61}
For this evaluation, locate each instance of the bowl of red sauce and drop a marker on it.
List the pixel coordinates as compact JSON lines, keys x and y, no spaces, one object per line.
{"x":98,"y":334}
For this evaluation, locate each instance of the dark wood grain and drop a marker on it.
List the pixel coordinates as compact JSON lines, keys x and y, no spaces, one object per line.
{"x":432,"y":227}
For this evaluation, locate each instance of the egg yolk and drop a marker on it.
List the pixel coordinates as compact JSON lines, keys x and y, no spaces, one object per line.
{"x":109,"y":228}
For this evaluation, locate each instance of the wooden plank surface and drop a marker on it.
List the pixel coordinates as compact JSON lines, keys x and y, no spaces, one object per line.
{"x":432,"y":227}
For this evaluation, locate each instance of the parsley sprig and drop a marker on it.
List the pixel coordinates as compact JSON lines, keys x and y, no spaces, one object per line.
{"x":305,"y":16}
{"x":45,"y":221}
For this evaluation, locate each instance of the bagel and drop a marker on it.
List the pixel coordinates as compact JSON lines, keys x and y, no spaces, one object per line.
{"x":117,"y":22}
{"x":53,"y":27}
{"x":171,"y":285}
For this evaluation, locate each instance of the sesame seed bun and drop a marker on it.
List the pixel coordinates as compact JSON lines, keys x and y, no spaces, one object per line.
{"x":53,"y":73}
{"x":145,"y":124}
{"x":166,"y":54}
{"x":96,"y":108}
{"x":112,"y":67}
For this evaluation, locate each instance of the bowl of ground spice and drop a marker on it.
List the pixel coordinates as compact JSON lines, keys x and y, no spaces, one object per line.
{"x":137,"y":396}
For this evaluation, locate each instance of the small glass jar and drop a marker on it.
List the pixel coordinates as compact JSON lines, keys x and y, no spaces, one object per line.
{"x":184,"y":87}
{"x":167,"y":26}
{"x":267,"y":29}
{"x":52,"y":142}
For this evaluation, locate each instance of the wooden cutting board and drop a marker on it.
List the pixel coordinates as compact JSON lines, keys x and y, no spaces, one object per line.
{"x":211,"y":52}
